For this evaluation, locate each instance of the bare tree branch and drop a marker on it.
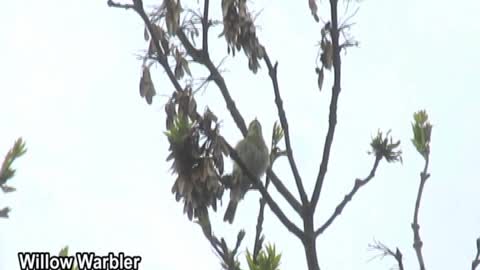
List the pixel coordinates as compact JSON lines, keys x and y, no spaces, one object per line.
{"x":283,"y":190}
{"x":226,"y":255}
{"x":417,"y":241}
{"x":399,"y":257}
{"x":274,"y":154}
{"x":205,"y":26}
{"x":110,"y":3}
{"x":257,"y":246}
{"x":476,"y":260}
{"x":358,"y":184}
{"x":332,"y":118}
{"x":203,"y":57}
{"x":272,"y":71}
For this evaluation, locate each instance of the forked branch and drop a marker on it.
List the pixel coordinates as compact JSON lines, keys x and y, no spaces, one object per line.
{"x":332,"y":118}
{"x":358,"y":184}
{"x":272,"y":71}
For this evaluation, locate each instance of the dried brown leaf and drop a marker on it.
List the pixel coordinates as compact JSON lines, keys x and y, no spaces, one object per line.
{"x":320,"y":78}
{"x":147,"y":88}
{"x":146,"y":36}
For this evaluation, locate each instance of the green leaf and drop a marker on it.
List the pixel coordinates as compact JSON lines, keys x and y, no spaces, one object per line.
{"x":267,"y":259}
{"x":16,"y":151}
{"x":422,"y":130}
{"x":181,"y":128}
{"x":277,"y":133}
{"x":63,"y":252}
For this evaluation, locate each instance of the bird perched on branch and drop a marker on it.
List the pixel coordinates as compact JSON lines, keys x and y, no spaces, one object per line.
{"x":253,"y":153}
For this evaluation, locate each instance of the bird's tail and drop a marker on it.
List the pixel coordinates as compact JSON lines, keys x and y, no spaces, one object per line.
{"x":230,"y":213}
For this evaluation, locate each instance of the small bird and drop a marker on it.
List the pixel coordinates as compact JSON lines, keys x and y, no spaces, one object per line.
{"x":253,"y":152}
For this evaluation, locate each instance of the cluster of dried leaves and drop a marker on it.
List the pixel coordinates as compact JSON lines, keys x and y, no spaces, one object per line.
{"x":197,"y":150}
{"x":168,"y":49}
{"x":384,"y":147}
{"x":239,"y":32}
{"x":172,"y":10}
{"x":164,"y":39}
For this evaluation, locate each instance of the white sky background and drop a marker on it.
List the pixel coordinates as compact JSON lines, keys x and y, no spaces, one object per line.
{"x":95,"y":176}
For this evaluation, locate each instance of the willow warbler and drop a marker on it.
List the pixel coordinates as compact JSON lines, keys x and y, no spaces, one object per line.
{"x":253,"y":152}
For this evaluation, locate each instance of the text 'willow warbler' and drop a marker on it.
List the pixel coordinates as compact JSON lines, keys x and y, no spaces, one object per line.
{"x":253,"y":152}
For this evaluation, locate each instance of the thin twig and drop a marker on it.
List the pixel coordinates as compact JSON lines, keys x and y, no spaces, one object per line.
{"x":223,"y":252}
{"x":332,"y":118}
{"x":272,"y":71}
{"x":417,"y":241}
{"x":162,"y":59}
{"x":257,"y":246}
{"x":399,"y":257}
{"x":343,"y":25}
{"x":110,"y":3}
{"x":476,"y":260}
{"x":358,"y":184}
{"x":386,"y":251}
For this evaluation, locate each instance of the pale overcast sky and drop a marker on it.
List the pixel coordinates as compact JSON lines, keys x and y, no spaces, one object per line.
{"x":95,"y":176}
